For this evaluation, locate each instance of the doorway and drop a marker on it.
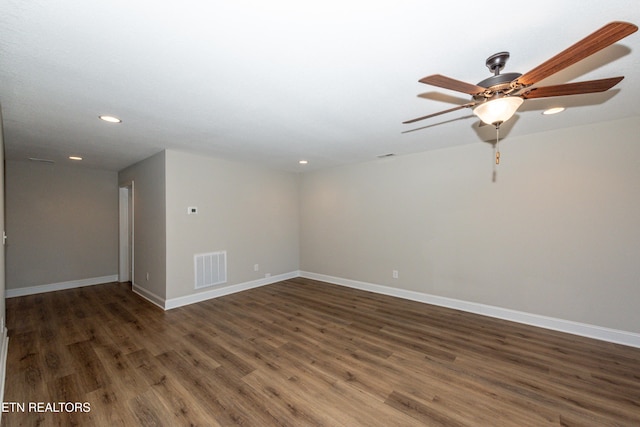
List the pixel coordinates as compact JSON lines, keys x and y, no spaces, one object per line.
{"x":126,"y":241}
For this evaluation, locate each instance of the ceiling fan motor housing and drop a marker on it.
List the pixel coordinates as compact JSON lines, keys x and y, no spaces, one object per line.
{"x":496,"y":84}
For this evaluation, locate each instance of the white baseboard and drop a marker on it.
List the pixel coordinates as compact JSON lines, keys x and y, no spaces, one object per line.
{"x":32,"y":290}
{"x":4,"y":348}
{"x":168,"y":304}
{"x":148,"y":295}
{"x":591,"y":331}
{"x":227,"y":290}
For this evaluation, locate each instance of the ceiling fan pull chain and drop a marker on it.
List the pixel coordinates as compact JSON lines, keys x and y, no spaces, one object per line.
{"x":497,"y":144}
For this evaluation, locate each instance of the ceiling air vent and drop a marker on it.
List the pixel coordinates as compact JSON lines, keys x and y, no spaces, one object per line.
{"x":35,"y":159}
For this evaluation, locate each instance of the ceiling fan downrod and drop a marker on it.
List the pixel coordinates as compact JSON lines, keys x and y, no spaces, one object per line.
{"x":496,"y":62}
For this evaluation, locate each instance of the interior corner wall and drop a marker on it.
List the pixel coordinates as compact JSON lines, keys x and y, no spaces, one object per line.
{"x":4,"y":339}
{"x":557,"y":234}
{"x":61,"y":222}
{"x":149,"y":225}
{"x":246,"y":210}
{"x":2,"y":229}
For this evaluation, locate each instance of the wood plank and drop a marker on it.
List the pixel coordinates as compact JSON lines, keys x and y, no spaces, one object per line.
{"x":88,"y":366}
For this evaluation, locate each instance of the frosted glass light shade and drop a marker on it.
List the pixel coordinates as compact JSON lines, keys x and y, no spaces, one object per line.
{"x":498,"y":110}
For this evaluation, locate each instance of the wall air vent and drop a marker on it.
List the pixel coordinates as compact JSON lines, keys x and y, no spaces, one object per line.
{"x":210,"y":269}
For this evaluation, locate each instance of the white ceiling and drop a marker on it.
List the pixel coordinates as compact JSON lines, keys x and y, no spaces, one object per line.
{"x":277,"y":81}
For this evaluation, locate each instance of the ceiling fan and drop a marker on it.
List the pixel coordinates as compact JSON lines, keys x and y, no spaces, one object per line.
{"x":496,"y":99}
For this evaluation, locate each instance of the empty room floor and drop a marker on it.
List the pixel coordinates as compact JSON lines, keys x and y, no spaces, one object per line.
{"x":302,"y":352}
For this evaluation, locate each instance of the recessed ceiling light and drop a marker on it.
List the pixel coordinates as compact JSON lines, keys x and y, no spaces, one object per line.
{"x":554,"y":110}
{"x":303,"y":162}
{"x":75,"y":158}
{"x":110,"y":119}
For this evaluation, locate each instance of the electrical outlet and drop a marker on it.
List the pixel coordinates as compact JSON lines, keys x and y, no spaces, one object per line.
{"x":394,"y":273}
{"x":147,"y":276}
{"x":256,"y":267}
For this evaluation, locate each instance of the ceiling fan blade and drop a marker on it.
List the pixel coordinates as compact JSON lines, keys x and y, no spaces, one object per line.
{"x":459,"y":107}
{"x":452,"y":84}
{"x":591,"y":86}
{"x":605,"y":36}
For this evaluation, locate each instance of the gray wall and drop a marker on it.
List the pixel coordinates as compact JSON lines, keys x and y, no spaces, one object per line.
{"x":249,"y":211}
{"x":149,"y":222}
{"x":62,"y":223}
{"x":558,"y":233}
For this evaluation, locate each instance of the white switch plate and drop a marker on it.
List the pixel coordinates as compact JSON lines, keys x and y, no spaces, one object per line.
{"x":192,"y":210}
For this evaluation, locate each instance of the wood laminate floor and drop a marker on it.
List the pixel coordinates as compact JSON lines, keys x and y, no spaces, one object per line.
{"x":302,"y":352}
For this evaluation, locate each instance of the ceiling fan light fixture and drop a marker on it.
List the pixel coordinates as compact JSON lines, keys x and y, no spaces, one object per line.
{"x":498,"y":110}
